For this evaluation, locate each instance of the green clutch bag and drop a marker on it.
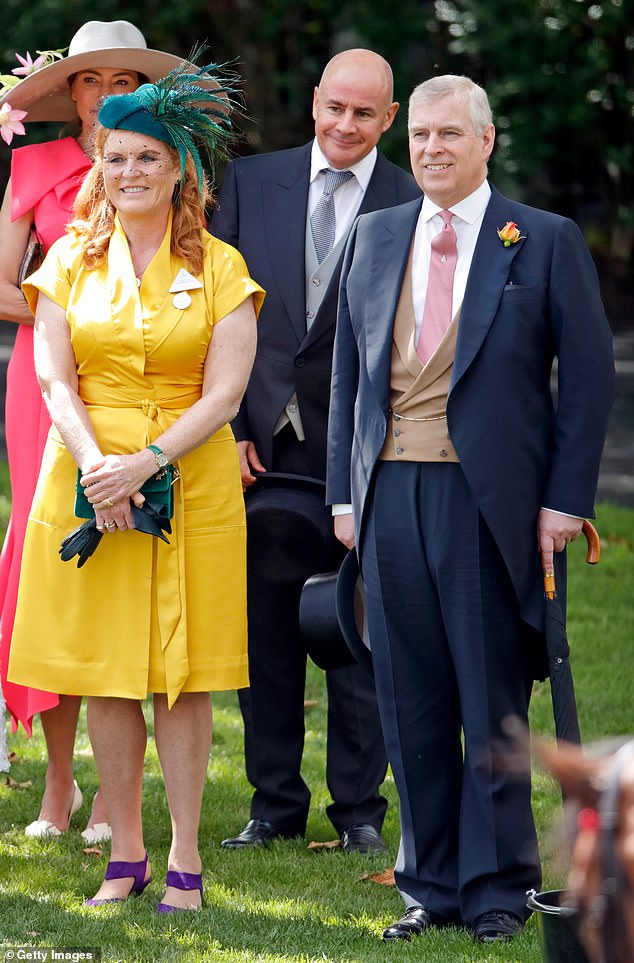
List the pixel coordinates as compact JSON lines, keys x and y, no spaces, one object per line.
{"x":158,"y":492}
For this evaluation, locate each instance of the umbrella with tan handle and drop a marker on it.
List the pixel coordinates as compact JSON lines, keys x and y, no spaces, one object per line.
{"x":561,"y":682}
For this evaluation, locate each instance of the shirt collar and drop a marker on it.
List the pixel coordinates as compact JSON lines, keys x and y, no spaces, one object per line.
{"x":469,"y":209}
{"x":362,"y":170}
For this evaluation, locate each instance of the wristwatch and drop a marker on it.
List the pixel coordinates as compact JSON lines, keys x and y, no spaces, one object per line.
{"x":161,"y":458}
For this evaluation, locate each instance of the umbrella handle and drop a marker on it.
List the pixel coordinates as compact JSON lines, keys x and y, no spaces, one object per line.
{"x":593,"y":555}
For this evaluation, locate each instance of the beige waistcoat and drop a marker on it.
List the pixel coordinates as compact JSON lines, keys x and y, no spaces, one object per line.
{"x":417,"y":428}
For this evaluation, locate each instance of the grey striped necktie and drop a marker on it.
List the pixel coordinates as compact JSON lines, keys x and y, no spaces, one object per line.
{"x":322,"y":220}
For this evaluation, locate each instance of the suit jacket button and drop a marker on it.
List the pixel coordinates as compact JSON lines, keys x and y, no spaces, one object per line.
{"x":299,"y":362}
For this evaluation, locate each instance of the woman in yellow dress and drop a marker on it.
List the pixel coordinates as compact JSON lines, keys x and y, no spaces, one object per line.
{"x":144,"y":339}
{"x":103,"y":58}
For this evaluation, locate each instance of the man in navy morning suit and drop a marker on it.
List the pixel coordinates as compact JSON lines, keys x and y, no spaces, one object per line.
{"x":465,"y":481}
{"x":265,"y":209}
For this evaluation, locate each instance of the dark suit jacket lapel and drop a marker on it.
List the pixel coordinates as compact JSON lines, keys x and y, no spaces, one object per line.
{"x":490,"y":269}
{"x":392,"y":241}
{"x":380,"y":191}
{"x":285,"y":203}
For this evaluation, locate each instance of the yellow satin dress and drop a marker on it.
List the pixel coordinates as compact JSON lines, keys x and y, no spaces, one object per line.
{"x":140,"y":616}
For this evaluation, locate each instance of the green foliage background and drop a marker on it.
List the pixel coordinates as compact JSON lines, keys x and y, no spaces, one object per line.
{"x":560,"y":75}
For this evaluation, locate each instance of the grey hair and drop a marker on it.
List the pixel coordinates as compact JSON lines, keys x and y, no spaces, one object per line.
{"x":462,"y":87}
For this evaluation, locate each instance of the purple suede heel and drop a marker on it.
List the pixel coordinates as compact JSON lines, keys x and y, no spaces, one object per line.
{"x":122,"y":870}
{"x":184,"y":881}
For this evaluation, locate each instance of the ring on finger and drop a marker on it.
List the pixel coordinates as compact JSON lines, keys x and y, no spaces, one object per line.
{"x":110,"y":525}
{"x":108,"y":502}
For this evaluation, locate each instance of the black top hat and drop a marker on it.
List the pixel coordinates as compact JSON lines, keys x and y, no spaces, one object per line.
{"x":332,"y":617}
{"x":290,"y":533}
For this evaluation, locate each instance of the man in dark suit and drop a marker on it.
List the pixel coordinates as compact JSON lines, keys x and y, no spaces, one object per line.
{"x":464,"y":478}
{"x":268,"y":209}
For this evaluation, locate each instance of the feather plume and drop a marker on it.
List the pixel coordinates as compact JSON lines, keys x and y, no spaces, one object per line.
{"x":196,"y":105}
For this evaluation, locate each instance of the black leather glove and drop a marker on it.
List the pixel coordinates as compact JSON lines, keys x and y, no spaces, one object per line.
{"x":83,"y":540}
{"x":147,"y":519}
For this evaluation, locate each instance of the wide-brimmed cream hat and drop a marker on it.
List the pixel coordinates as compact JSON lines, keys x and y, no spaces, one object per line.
{"x":45,"y":94}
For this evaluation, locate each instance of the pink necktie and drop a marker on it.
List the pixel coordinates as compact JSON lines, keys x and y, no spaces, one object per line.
{"x":437,"y":312}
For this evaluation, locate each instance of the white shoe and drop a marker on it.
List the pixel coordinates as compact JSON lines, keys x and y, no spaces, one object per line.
{"x":99,"y":833}
{"x":41,"y":828}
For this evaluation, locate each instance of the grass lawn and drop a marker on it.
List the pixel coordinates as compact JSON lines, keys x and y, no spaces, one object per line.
{"x":289,"y":904}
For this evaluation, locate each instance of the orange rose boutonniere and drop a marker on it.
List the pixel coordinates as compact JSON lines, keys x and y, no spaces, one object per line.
{"x":510,"y":234}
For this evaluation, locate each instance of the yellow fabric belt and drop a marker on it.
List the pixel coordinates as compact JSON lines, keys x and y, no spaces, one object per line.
{"x":170,"y":559}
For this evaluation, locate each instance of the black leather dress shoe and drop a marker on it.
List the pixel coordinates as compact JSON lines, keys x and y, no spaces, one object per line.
{"x":412,"y":923}
{"x":497,"y":926}
{"x":363,"y":838}
{"x":257,"y":832}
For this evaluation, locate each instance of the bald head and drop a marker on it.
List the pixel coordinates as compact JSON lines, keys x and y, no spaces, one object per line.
{"x":372,"y":65}
{"x":352,"y":106}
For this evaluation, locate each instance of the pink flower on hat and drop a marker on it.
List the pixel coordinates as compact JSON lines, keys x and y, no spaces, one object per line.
{"x":29,"y":66}
{"x":10,"y":122}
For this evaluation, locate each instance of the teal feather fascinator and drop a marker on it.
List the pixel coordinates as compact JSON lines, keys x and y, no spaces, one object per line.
{"x":189,"y":109}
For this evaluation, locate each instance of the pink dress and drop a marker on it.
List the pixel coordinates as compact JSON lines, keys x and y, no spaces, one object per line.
{"x":45,"y":179}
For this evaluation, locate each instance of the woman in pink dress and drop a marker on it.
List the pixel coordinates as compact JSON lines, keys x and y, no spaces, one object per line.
{"x":103,"y":58}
